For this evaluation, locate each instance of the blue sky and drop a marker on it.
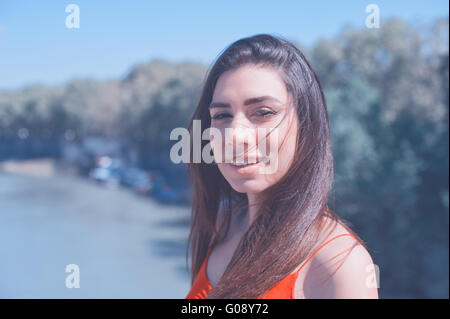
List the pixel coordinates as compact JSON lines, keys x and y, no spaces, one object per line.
{"x":36,"y":47}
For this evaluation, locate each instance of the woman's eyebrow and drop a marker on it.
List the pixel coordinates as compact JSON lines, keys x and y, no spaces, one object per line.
{"x":246,"y":102}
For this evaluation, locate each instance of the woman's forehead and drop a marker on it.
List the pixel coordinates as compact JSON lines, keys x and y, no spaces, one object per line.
{"x":247,"y":82}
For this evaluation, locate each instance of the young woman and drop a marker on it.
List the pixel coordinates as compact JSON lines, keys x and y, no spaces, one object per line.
{"x":258,"y":232}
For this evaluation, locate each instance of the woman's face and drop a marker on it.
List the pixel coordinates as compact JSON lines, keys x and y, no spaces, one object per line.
{"x":247,"y":104}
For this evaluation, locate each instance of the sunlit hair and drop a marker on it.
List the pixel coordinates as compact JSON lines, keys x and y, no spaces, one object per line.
{"x":291,"y":215}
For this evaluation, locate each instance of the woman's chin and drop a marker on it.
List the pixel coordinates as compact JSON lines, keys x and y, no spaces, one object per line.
{"x":247,"y":186}
{"x":246,"y":179}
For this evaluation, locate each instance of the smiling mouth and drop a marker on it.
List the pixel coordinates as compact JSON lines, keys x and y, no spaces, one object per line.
{"x":249,"y":162}
{"x":244,"y":164}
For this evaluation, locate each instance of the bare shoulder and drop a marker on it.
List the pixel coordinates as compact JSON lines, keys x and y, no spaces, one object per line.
{"x":341,"y":268}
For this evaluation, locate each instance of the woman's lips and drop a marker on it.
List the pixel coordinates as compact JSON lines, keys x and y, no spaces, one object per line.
{"x":249,"y":168}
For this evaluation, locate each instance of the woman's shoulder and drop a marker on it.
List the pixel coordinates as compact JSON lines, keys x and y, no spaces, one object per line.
{"x":339,"y":268}
{"x":337,"y":240}
{"x":327,"y":241}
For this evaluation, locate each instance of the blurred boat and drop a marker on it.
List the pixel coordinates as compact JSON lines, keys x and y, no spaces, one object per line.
{"x":165,"y":193}
{"x":107,"y":171}
{"x":137,"y":179}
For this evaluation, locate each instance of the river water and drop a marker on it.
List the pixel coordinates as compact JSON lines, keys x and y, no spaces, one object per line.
{"x":125,"y":246}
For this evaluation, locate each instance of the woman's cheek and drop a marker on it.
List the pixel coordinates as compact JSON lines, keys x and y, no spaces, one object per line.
{"x":217,"y":144}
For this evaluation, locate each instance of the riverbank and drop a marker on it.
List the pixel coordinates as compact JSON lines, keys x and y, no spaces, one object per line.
{"x":126,"y":246}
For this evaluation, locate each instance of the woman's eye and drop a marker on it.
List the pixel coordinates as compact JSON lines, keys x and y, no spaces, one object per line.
{"x":220,"y":116}
{"x":265,"y":113}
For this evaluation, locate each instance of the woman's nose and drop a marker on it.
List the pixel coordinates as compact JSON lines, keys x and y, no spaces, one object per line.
{"x":242,"y":135}
{"x":241,"y":129}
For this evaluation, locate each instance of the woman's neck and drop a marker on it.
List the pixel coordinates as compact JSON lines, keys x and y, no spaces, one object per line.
{"x":252,"y":211}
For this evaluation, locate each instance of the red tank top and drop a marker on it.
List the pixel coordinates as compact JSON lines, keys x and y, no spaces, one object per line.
{"x":284,"y":289}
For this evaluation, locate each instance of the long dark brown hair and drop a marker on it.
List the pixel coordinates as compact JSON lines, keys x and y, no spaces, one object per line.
{"x":291,"y":215}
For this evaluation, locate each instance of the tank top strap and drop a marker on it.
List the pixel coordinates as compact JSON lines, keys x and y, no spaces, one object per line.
{"x":324,"y":244}
{"x":304,"y":263}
